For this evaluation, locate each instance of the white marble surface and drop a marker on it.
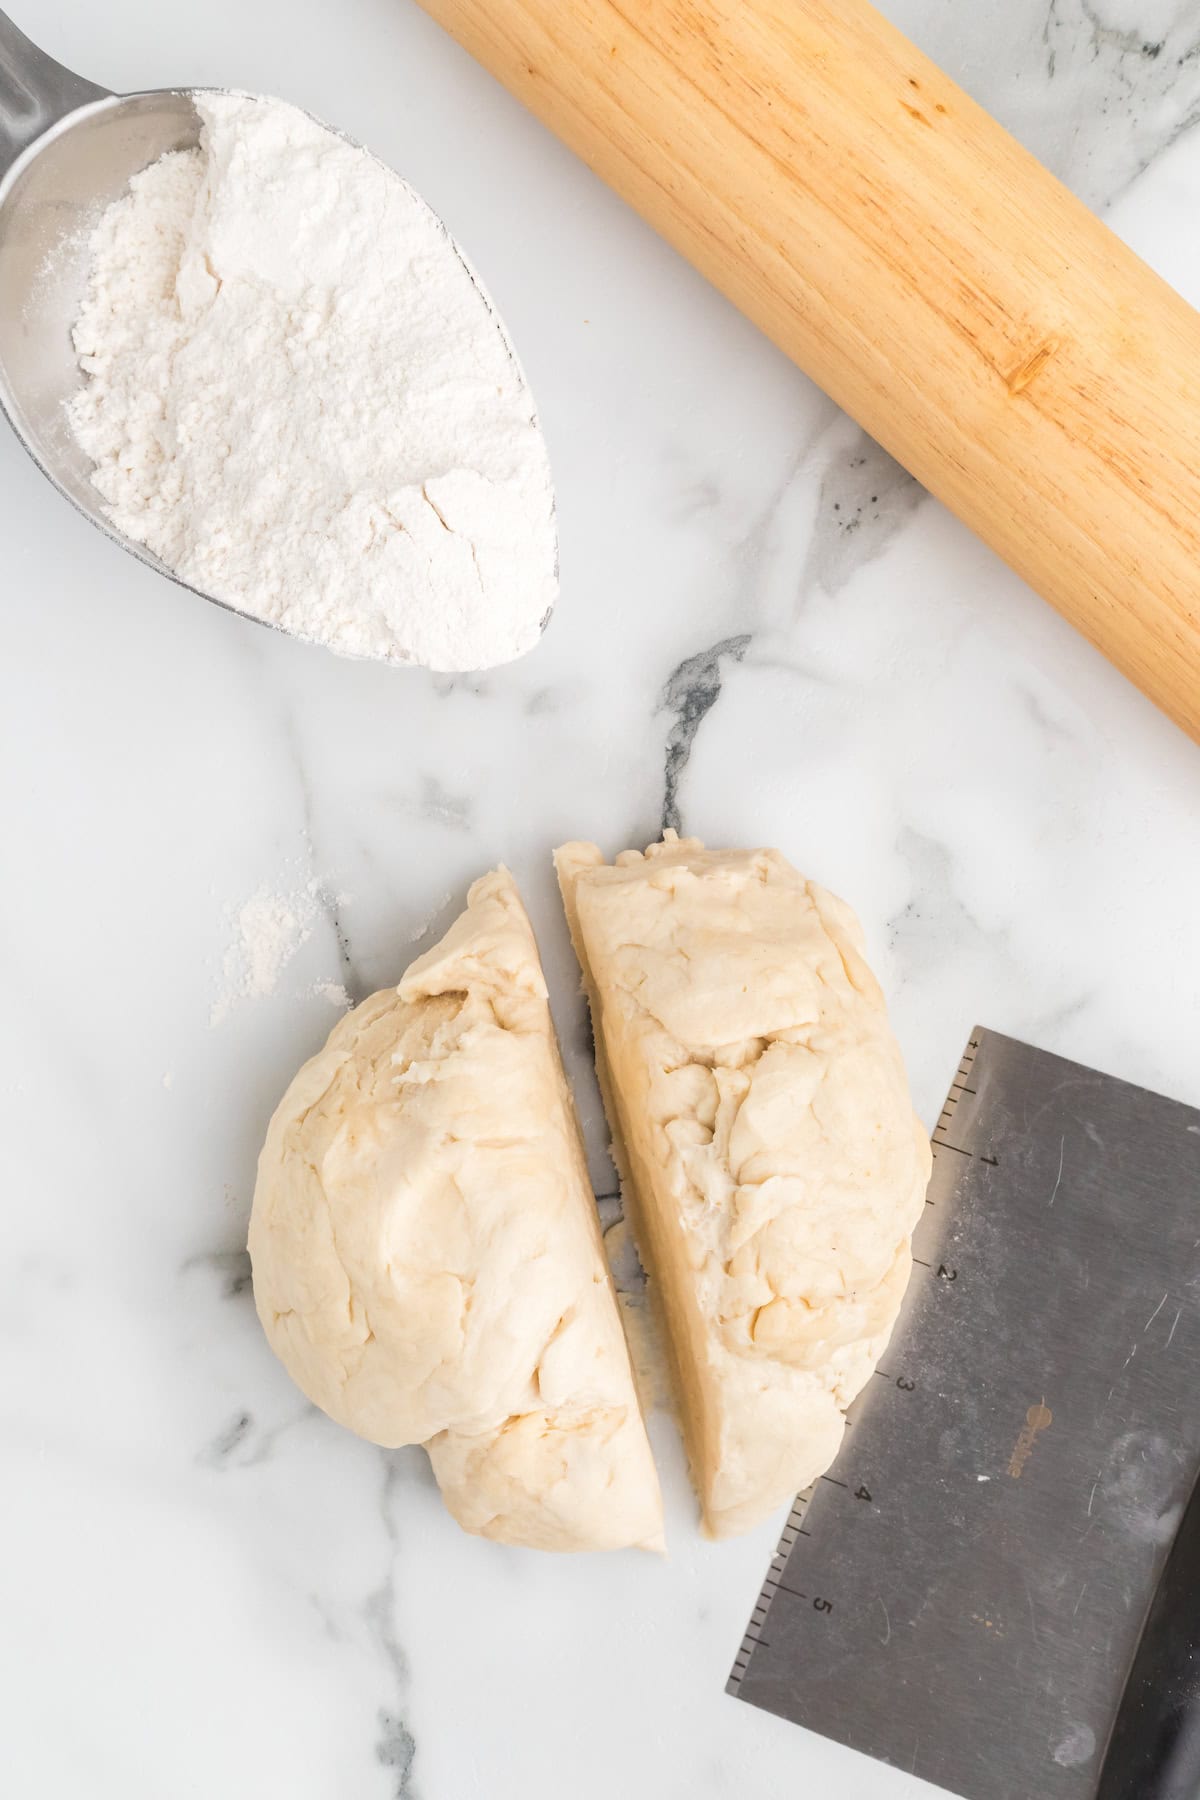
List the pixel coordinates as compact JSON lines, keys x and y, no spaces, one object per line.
{"x":208,"y":1589}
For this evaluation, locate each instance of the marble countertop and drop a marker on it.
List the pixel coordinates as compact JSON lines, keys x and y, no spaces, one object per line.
{"x":766,"y":635}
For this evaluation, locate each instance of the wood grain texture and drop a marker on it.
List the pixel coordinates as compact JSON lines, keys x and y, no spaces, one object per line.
{"x":919,"y":265}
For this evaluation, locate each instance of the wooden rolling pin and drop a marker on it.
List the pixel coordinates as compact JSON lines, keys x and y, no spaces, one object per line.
{"x":919,"y":265}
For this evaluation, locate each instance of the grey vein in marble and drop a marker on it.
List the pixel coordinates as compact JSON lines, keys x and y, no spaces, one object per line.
{"x":395,"y":1747}
{"x":1147,"y":77}
{"x":936,"y":915}
{"x":441,"y":806}
{"x":227,"y":1441}
{"x":325,"y":893}
{"x":1097,"y":89}
{"x":232,"y":1266}
{"x":865,"y":499}
{"x":244,"y":1443}
{"x":691,"y":693}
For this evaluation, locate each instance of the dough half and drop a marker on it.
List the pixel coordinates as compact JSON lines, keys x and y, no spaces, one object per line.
{"x":427,"y":1255}
{"x":766,"y":1141}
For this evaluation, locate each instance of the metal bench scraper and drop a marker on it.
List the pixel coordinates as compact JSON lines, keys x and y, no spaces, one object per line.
{"x":997,"y":1585}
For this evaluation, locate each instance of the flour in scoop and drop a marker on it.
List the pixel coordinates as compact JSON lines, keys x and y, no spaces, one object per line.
{"x":299,"y":397}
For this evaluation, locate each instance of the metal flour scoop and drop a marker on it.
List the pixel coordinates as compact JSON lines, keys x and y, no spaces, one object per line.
{"x":67,"y":149}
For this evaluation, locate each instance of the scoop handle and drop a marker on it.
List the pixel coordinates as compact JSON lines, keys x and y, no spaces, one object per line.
{"x":35,"y":92}
{"x":923,"y":268}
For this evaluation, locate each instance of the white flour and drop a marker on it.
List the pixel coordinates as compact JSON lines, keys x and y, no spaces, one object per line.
{"x":303,"y":403}
{"x":267,"y":931}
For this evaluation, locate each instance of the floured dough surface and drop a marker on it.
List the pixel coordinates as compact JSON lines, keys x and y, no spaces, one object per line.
{"x":774,"y":1164}
{"x":427,"y":1256}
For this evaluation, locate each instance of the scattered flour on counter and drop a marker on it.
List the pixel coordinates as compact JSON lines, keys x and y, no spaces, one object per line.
{"x":266,"y":932}
{"x":268,"y":929}
{"x":300,"y":398}
{"x":333,"y":992}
